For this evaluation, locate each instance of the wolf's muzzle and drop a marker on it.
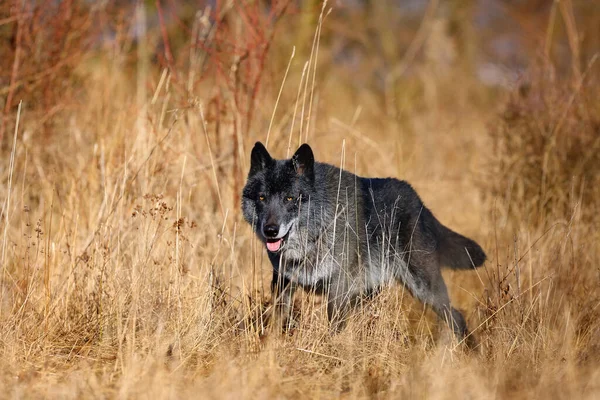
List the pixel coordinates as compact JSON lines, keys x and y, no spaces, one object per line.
{"x":273,"y":242}
{"x":271,"y":231}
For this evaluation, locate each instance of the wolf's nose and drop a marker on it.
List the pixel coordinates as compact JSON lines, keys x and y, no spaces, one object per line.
{"x":271,"y":231}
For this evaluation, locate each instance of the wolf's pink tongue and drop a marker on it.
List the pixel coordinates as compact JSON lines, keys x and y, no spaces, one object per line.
{"x":274,"y":246}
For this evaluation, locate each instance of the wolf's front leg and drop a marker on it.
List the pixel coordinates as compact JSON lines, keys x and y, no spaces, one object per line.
{"x":339,"y":302}
{"x":282,"y":296}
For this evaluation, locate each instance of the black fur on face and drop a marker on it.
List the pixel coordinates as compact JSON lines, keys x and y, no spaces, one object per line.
{"x":276,"y":188}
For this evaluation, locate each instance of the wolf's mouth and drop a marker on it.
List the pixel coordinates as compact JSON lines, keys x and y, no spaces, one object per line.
{"x":274,"y":245}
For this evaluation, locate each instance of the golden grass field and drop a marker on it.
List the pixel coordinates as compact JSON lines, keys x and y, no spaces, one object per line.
{"x":127,"y":270}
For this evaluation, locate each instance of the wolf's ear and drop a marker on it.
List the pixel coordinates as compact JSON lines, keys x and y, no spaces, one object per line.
{"x":304,"y":161}
{"x":259,"y":159}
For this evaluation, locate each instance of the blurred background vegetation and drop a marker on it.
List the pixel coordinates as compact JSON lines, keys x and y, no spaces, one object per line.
{"x":395,"y":59}
{"x":385,"y":46}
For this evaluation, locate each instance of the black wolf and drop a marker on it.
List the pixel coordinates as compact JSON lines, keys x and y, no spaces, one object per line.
{"x":335,"y":233}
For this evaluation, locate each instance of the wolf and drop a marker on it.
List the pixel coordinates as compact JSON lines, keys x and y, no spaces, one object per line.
{"x":334,"y":233}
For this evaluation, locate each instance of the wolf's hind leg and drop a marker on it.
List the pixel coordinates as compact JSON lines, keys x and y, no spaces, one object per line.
{"x":440,"y":302}
{"x":427,"y":284}
{"x":456,"y":321}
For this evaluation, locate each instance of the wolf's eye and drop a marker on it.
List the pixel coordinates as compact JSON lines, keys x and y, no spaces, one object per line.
{"x":289,"y":198}
{"x":261,"y":197}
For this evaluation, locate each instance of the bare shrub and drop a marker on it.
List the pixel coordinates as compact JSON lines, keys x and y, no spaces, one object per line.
{"x":545,"y":143}
{"x":47,"y":41}
{"x":543,"y":184}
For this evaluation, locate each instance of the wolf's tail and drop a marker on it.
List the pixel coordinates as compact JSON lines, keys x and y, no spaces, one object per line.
{"x":457,"y":251}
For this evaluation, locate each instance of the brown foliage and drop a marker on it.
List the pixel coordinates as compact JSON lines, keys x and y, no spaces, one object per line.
{"x":44,"y":42}
{"x":546,"y":142}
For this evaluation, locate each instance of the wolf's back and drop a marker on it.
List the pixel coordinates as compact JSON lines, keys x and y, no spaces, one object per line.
{"x":455,"y":250}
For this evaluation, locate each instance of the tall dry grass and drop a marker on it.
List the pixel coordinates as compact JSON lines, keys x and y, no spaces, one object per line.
{"x":128,"y":272}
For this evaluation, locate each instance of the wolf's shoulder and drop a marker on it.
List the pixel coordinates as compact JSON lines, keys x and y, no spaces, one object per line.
{"x":327,"y":174}
{"x":384,"y":192}
{"x":391,"y":185}
{"x":384,"y":189}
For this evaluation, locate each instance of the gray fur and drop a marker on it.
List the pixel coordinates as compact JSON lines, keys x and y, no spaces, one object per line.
{"x":344,"y":235}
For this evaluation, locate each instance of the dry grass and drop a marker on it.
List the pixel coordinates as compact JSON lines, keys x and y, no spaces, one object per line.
{"x":127,"y":270}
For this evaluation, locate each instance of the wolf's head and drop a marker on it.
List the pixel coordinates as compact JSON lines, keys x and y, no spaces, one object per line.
{"x":276,"y":196}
